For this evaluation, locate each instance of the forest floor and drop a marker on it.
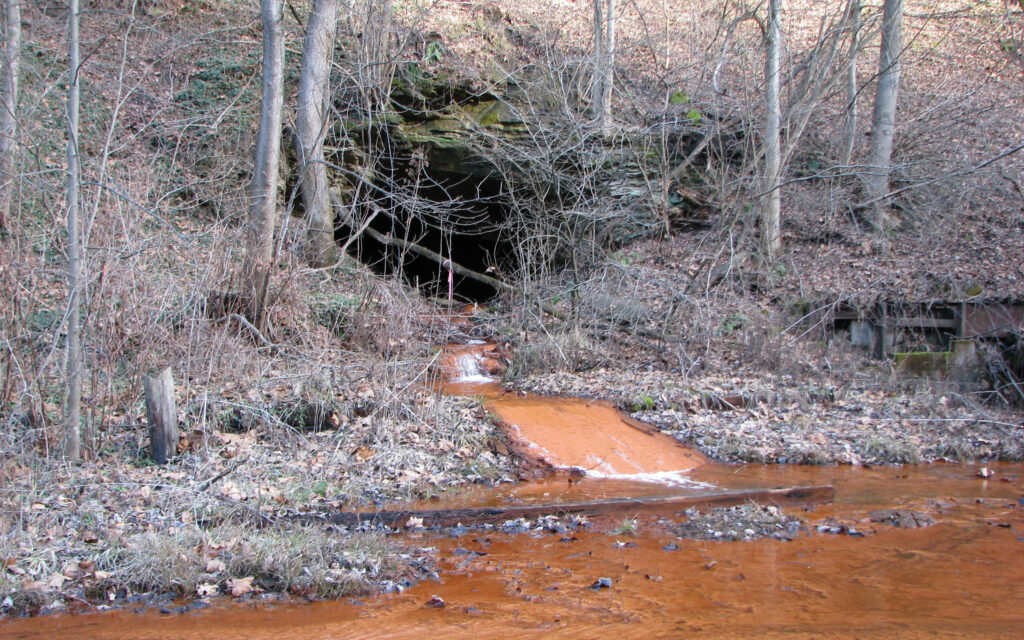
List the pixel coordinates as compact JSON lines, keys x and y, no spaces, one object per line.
{"x":341,"y":412}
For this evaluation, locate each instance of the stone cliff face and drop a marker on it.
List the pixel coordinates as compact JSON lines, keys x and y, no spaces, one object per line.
{"x":480,"y":176}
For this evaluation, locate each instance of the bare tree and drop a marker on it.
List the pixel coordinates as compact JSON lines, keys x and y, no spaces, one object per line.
{"x":770,"y":204}
{"x":850,"y":126}
{"x":72,"y":435}
{"x":604,"y":64}
{"x":263,"y":189}
{"x":883,"y":121}
{"x":310,"y":123}
{"x":8,"y":105}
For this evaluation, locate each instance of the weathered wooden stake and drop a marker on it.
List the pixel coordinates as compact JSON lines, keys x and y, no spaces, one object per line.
{"x":162,"y":415}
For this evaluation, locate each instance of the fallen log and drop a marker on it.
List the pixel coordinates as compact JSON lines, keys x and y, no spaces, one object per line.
{"x":650,"y":504}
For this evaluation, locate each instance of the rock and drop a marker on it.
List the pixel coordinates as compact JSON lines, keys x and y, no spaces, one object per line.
{"x":902,"y":518}
{"x":435,"y":602}
{"x":601,"y":583}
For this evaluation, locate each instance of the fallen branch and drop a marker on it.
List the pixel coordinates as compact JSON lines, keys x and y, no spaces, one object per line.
{"x":481,"y":515}
{"x":448,"y":263}
{"x":252,"y":329}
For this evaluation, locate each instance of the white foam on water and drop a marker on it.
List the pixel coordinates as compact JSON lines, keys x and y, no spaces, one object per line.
{"x":668,"y":478}
{"x":468,"y":365}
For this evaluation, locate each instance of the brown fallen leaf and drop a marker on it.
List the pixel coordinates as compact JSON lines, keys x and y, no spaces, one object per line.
{"x":241,"y":586}
{"x":56,"y":581}
{"x":215,"y":566}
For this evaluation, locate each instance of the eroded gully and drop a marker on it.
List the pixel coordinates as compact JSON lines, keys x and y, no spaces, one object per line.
{"x":961,"y":577}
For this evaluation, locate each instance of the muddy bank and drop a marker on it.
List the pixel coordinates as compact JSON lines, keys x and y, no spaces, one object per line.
{"x":779,"y":419}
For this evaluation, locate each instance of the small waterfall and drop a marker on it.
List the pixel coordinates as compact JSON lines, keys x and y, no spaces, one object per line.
{"x":470,"y":368}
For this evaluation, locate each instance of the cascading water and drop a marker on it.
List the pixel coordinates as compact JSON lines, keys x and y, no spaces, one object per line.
{"x":470,"y":366}
{"x":571,"y":433}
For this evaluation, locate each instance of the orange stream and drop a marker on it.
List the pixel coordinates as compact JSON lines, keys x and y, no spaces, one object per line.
{"x":592,"y":436}
{"x":963,"y":577}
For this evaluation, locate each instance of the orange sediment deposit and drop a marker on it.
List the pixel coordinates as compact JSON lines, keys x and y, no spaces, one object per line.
{"x":592,"y":436}
{"x":568,"y":433}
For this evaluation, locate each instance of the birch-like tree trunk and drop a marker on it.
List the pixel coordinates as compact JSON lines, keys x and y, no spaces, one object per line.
{"x":883,"y":120}
{"x":8,"y":107}
{"x":263,"y":189}
{"x":609,"y":69}
{"x":310,"y":125}
{"x":597,"y":82}
{"x":604,"y":65}
{"x":72,"y":434}
{"x":850,"y":126}
{"x":770,"y":203}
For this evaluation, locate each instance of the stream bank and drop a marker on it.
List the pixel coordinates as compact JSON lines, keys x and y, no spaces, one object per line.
{"x":839,"y":574}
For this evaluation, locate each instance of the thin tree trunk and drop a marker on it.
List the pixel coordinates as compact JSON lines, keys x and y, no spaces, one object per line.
{"x":8,"y":107}
{"x":263,"y":190}
{"x":850,"y":128}
{"x":72,"y":435}
{"x":609,"y":70}
{"x":771,"y":241}
{"x":883,"y":121}
{"x":597,"y":86}
{"x":310,"y":124}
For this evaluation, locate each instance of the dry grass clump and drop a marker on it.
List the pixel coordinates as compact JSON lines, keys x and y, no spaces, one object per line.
{"x":298,"y":559}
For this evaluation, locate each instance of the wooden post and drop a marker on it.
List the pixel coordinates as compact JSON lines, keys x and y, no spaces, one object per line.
{"x":162,"y":415}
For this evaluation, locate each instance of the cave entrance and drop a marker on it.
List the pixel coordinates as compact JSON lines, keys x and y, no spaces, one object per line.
{"x":453,"y":216}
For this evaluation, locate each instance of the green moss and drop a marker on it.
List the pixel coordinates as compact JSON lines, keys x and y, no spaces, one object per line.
{"x":922,"y":363}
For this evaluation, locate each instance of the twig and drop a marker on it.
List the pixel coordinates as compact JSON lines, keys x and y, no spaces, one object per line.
{"x":248,"y":325}
{"x":948,"y":176}
{"x":206,"y":485}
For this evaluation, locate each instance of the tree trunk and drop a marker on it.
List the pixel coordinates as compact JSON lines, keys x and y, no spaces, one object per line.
{"x":883,"y":121}
{"x":770,"y":203}
{"x":8,"y":107}
{"x":310,"y":124}
{"x":72,"y":434}
{"x":597,"y":86}
{"x":609,"y":70}
{"x":669,"y":505}
{"x":162,"y":415}
{"x":263,"y":189}
{"x":604,"y":65}
{"x":850,"y":128}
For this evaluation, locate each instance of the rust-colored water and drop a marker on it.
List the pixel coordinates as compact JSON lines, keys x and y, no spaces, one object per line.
{"x":963,"y":577}
{"x":592,"y":436}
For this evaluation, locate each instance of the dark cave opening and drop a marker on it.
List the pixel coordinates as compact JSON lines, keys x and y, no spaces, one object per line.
{"x":458,"y":216}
